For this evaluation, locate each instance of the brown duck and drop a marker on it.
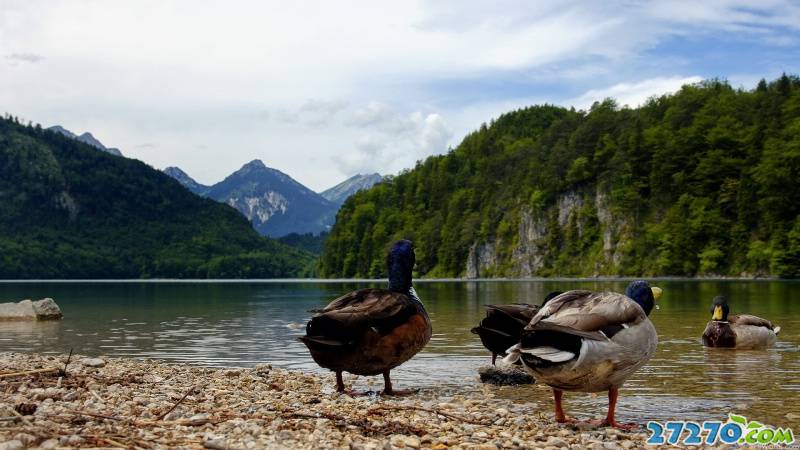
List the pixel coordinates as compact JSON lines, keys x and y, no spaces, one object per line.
{"x":372,"y":331}
{"x":741,"y":331}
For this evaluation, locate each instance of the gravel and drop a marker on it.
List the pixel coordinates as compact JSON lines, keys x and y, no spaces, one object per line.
{"x":126,"y":403}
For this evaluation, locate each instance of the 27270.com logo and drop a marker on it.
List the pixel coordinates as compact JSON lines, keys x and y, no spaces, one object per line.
{"x":736,"y":430}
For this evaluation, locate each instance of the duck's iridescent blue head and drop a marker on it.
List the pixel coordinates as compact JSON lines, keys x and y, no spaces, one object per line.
{"x":720,"y":309}
{"x":400,"y":261}
{"x":641,"y":292}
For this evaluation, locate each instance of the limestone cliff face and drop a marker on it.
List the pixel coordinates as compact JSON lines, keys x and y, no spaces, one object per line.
{"x":542,"y":235}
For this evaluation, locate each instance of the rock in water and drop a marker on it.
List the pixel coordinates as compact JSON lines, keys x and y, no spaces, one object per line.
{"x":504,"y":375}
{"x":17,"y":311}
{"x":46,"y":309}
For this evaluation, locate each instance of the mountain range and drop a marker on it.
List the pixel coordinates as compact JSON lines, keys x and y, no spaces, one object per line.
{"x":275,"y":203}
{"x":342,"y":191}
{"x":86,"y":138}
{"x":70,"y":211}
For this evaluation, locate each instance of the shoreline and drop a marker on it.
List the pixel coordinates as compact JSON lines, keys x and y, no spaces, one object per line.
{"x":383,"y":280}
{"x":127,"y":403}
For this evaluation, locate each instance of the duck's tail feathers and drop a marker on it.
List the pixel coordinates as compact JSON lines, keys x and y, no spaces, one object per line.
{"x":551,"y":354}
{"x":777,"y":330}
{"x":512,"y":355}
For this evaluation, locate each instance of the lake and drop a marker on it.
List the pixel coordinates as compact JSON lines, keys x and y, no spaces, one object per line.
{"x":245,"y":323}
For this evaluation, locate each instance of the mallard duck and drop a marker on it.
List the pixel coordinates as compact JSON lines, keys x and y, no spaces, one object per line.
{"x":589,"y":342}
{"x":740,"y":331}
{"x":503,"y":324}
{"x":372,"y":331}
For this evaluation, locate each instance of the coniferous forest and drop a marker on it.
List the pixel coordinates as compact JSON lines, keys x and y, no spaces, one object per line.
{"x":68,"y":210}
{"x":701,"y":182}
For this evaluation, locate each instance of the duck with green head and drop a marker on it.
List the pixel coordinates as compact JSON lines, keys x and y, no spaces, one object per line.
{"x":590,"y":342}
{"x":742,"y":331}
{"x":372,"y":331}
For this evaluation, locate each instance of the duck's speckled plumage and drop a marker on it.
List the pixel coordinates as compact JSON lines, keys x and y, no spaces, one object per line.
{"x":367,"y":332}
{"x":608,"y":333}
{"x":589,"y":341}
{"x":743,"y":331}
{"x":372,"y":331}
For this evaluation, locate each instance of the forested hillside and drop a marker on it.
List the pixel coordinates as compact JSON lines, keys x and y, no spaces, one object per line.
{"x":70,"y":211}
{"x":702,"y":182}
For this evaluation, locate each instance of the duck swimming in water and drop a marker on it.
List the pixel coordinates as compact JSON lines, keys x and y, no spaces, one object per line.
{"x":589,"y":342}
{"x":372,"y":331}
{"x":741,"y":331}
{"x":503,"y":324}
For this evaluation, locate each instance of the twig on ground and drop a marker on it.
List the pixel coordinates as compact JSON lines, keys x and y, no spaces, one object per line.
{"x":69,"y":358}
{"x":191,"y":389}
{"x":28,"y":372}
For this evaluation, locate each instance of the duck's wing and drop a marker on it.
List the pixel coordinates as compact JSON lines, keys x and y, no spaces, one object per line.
{"x":501,"y":327}
{"x":346,"y":318}
{"x":588,"y":313}
{"x":747,"y":319}
{"x":556,"y":332}
{"x":521,"y":313}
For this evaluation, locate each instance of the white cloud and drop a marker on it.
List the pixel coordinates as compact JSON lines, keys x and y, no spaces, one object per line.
{"x":295,"y":83}
{"x":15,"y":58}
{"x":633,"y":94}
{"x":392,"y":140}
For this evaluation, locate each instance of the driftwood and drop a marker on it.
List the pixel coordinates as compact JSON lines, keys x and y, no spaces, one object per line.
{"x":30,"y":372}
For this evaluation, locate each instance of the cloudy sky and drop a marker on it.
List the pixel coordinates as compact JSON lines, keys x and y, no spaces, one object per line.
{"x":325,"y":89}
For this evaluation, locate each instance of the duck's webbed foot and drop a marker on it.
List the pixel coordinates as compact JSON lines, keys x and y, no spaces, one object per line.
{"x":613,"y":423}
{"x":388,"y":390}
{"x":609,"y":421}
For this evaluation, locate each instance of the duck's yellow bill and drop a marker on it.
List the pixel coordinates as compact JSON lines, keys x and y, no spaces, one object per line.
{"x":717,"y":313}
{"x":656,"y":292}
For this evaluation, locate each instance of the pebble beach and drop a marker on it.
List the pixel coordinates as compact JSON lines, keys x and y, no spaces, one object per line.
{"x":127,"y":403}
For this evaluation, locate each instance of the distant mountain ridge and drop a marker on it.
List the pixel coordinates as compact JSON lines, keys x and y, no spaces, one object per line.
{"x":69,"y":211}
{"x":275,"y":203}
{"x":188,"y":182}
{"x":342,"y":191}
{"x":86,"y":138}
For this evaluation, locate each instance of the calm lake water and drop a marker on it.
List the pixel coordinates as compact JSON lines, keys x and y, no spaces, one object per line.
{"x":246,"y":323}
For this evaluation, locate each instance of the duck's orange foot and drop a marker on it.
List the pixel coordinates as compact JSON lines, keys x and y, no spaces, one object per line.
{"x":615,"y":424}
{"x":400,"y":392}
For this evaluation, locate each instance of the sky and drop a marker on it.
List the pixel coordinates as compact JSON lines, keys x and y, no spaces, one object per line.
{"x":323,"y":90}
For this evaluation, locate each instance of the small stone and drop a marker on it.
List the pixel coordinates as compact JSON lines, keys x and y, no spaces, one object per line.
{"x":626,"y":444}
{"x":557,"y":442}
{"x":93,"y":362}
{"x":484,"y":447}
{"x":12,"y":445}
{"x":26,"y":439}
{"x":412,"y":441}
{"x":49,"y":444}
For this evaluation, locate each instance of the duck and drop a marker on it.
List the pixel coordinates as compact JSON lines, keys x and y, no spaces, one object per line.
{"x":742,"y":331}
{"x":588,"y":341}
{"x":503,"y":324}
{"x":372,"y":331}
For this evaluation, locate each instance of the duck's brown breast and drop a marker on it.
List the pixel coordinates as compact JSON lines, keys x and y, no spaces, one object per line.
{"x":719,"y":334}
